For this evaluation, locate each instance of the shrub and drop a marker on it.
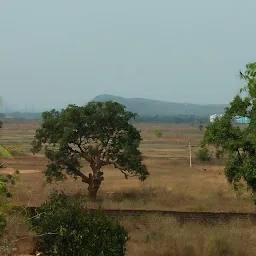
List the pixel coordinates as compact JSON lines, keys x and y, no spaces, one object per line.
{"x":158,"y":134}
{"x":15,"y":150}
{"x":66,"y":227}
{"x":5,"y":180}
{"x":204,"y":154}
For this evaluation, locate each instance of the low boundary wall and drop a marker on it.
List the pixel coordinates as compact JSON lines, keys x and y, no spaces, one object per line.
{"x":201,"y":217}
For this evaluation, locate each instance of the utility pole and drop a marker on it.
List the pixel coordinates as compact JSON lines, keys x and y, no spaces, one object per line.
{"x":190,"y":155}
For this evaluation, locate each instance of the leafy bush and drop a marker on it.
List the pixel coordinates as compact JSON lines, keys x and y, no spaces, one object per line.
{"x":204,"y":154}
{"x":5,"y":180}
{"x":15,"y":150}
{"x":158,"y":134}
{"x":66,"y":227}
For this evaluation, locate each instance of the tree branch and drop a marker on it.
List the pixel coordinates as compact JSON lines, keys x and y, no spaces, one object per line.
{"x":77,"y":172}
{"x":126,"y":175}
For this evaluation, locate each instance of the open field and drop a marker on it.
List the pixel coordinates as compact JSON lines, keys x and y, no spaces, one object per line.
{"x":172,"y":185}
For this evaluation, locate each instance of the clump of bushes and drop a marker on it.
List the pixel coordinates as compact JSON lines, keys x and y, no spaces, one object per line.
{"x":204,"y":154}
{"x":15,"y":150}
{"x":64,"y":226}
{"x":5,"y":181}
{"x":158,"y":134}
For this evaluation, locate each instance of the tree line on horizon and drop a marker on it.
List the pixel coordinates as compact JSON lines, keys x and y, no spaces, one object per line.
{"x":171,"y":119}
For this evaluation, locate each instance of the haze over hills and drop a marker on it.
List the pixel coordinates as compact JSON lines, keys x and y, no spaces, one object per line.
{"x":143,"y":107}
{"x":148,"y":107}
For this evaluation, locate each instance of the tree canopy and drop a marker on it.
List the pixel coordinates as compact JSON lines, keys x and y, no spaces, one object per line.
{"x":236,"y":142}
{"x":64,"y":226}
{"x":99,"y":133}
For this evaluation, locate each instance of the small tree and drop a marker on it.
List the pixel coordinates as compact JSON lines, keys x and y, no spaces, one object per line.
{"x":204,"y":154}
{"x":64,"y":226}
{"x":99,"y":133}
{"x":238,"y":143}
{"x":158,"y":134}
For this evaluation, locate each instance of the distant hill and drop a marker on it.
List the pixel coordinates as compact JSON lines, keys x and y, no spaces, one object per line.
{"x":148,"y":107}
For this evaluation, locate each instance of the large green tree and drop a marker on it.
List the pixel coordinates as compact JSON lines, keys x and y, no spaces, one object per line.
{"x":99,"y":133}
{"x":238,"y":143}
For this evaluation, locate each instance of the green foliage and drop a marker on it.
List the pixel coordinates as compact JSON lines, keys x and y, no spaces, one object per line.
{"x":158,"y":133}
{"x":15,"y":150}
{"x":236,"y":142}
{"x":99,"y":133}
{"x":5,"y":181}
{"x":66,"y":227}
{"x":5,"y":153}
{"x":3,"y":222}
{"x":204,"y":154}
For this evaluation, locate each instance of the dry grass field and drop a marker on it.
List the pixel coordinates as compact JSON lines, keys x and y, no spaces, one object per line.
{"x":172,"y":185}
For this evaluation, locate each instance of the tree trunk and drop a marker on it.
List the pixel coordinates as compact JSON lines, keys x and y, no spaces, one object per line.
{"x":94,"y":182}
{"x":92,"y":191}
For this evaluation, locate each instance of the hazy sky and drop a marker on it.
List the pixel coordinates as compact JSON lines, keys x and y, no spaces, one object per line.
{"x":57,"y":52}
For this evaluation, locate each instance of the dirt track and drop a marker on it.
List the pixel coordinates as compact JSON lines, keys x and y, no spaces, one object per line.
{"x":26,"y":163}
{"x":11,"y":171}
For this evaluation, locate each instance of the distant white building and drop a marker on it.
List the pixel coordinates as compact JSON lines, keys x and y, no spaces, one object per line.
{"x":237,"y":119}
{"x":213,"y":117}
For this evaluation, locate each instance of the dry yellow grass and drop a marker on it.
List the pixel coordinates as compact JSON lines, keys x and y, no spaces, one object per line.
{"x":172,"y":185}
{"x":165,"y":236}
{"x":175,"y":185}
{"x":175,"y":188}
